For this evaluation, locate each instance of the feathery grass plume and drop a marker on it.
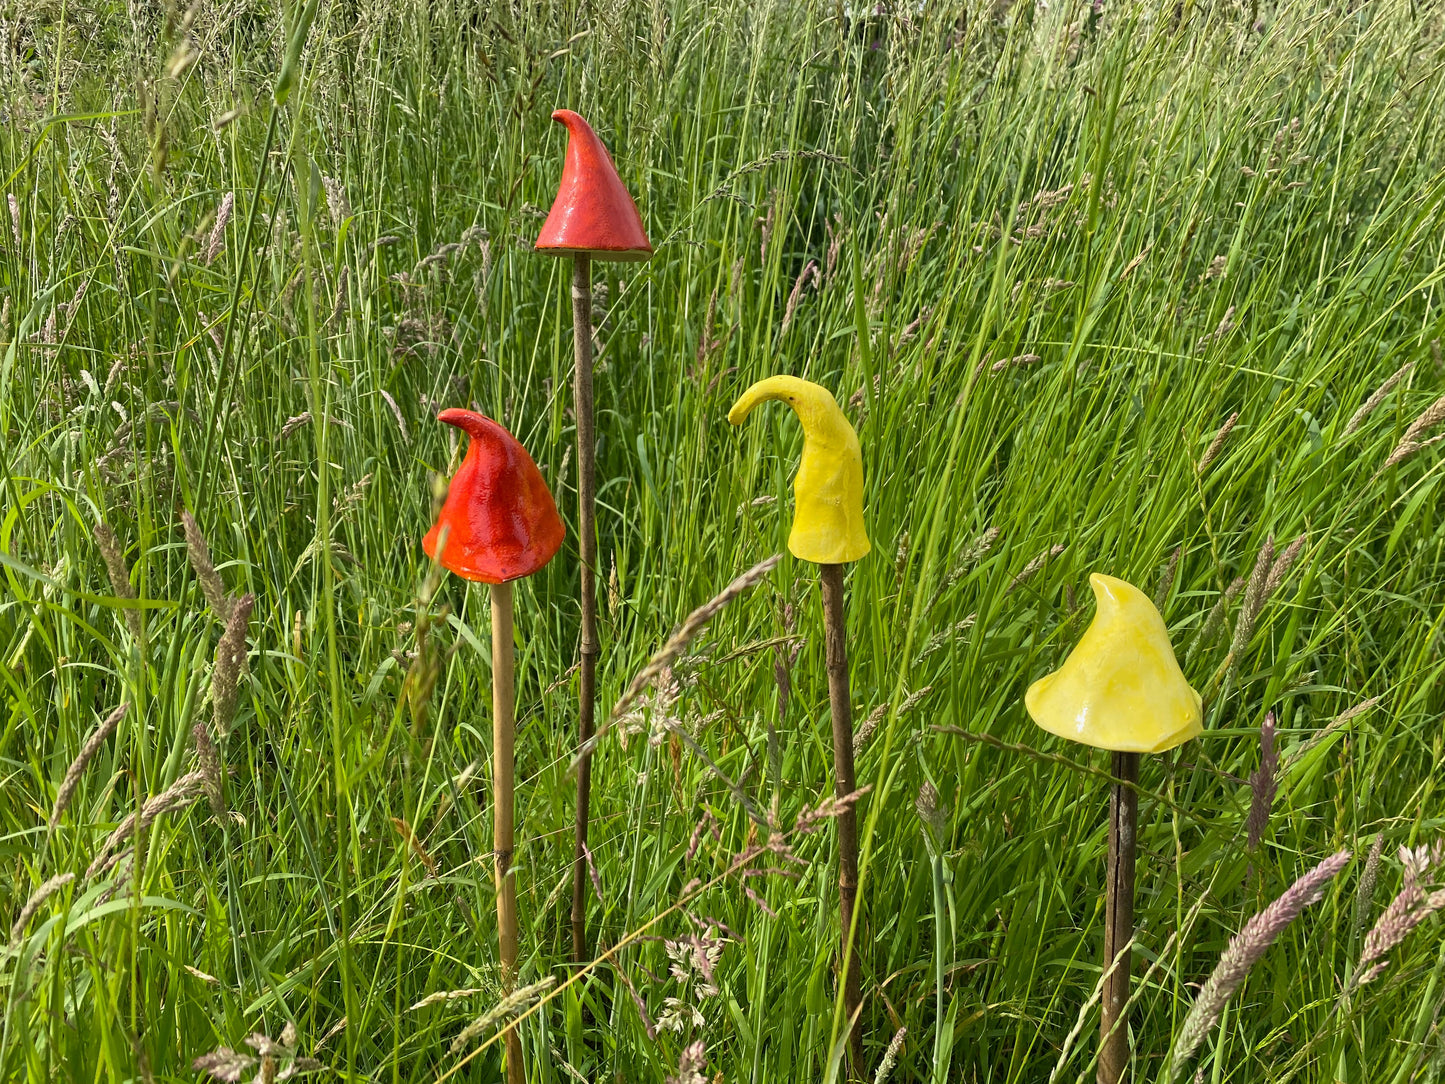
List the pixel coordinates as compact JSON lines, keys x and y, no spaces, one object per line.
{"x":210,"y":762}
{"x":677,"y":643}
{"x":444,"y":995}
{"x":648,"y":1024}
{"x":278,"y":1059}
{"x":810,"y":270}
{"x":396,"y":413}
{"x":1281,"y":566}
{"x":1377,"y":397}
{"x":690,"y":1065}
{"x":1032,"y":568}
{"x":1133,"y":265}
{"x":14,"y":218}
{"x":591,"y":871}
{"x":1410,"y":907}
{"x":1254,"y":599}
{"x":1365,"y":896}
{"x":1244,"y":951}
{"x":934,"y":815}
{"x":404,"y":830}
{"x":1334,"y":724}
{"x":82,"y":760}
{"x":36,"y":901}
{"x":338,"y":304}
{"x":110,"y":552}
{"x":337,"y":205}
{"x":966,"y":560}
{"x":978,"y":549}
{"x":939,"y":639}
{"x":1226,"y":325}
{"x":217,"y":242}
{"x":890,"y":1057}
{"x":230,"y":665}
{"x":708,"y":825}
{"x":1216,"y":446}
{"x":1262,"y":783}
{"x":1017,"y":361}
{"x":810,"y":820}
{"x":294,"y":423}
{"x":1410,"y":443}
{"x":515,"y":1003}
{"x":177,"y":796}
{"x":1166,"y":577}
{"x":200,"y":555}
{"x":224,"y":1064}
{"x":878,"y":714}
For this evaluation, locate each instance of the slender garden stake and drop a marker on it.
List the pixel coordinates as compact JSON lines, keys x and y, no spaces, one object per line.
{"x":828,"y":531}
{"x":1120,"y":689}
{"x":498,"y":523}
{"x":593,"y":217}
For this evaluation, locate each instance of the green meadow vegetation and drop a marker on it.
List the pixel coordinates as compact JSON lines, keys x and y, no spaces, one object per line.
{"x":1154,"y":291}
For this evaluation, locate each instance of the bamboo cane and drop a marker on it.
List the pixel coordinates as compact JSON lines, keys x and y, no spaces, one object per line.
{"x":503,"y":796}
{"x":1118,"y":920}
{"x":587,"y":544}
{"x":835,"y":629}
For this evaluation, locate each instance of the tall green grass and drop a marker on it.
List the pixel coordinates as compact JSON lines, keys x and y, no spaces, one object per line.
{"x":1055,"y":251}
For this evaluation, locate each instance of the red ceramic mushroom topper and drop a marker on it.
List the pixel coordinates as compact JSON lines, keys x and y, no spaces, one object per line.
{"x":593,"y":213}
{"x":500,"y":519}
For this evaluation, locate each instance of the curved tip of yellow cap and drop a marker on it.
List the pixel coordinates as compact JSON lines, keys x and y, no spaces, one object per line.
{"x":1121,"y":687}
{"x":828,"y":488}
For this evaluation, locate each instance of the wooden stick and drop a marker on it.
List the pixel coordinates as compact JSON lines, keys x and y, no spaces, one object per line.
{"x":587,"y":535}
{"x":1118,"y":919}
{"x":835,"y":628}
{"x":503,"y":787}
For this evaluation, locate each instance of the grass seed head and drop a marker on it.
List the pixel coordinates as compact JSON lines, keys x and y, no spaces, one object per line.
{"x":1377,"y":397}
{"x":200,"y":557}
{"x":1365,"y":897}
{"x":216,"y":243}
{"x":1166,"y":578}
{"x":1254,"y":598}
{"x":513,"y":1004}
{"x":681,"y":637}
{"x":36,"y":901}
{"x":230,"y":665}
{"x":1216,"y":446}
{"x":177,"y":796}
{"x":1244,"y":951}
{"x":77,"y":767}
{"x":1411,"y":443}
{"x":1410,"y":907}
{"x":890,"y":1057}
{"x":1262,"y":783}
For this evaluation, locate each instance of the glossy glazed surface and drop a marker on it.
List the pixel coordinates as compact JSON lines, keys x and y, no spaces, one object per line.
{"x":500,"y":519}
{"x":828,"y":488}
{"x":1121,"y":687}
{"x":593,"y":212}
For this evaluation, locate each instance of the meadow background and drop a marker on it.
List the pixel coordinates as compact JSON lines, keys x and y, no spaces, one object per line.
{"x":1044,"y":255}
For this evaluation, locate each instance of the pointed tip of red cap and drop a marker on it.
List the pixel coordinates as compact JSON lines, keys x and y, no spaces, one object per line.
{"x":499,"y":517}
{"x":593,"y":212}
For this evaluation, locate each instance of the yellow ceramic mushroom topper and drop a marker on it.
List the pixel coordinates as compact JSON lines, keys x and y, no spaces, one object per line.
{"x":828,"y":531}
{"x":1120,"y":689}
{"x":828,"y":489}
